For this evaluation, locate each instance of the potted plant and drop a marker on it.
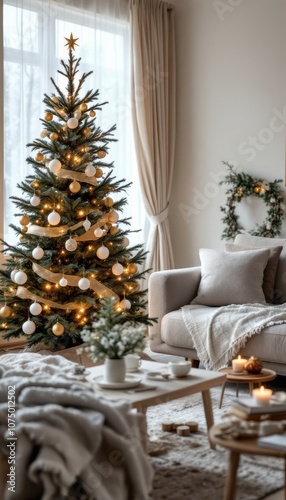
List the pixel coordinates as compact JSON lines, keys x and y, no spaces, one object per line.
{"x":111,"y":338}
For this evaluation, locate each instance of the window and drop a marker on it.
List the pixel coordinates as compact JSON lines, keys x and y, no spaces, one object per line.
{"x":34,"y":44}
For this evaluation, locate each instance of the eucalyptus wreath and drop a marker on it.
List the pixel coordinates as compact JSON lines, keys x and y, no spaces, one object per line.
{"x":243,"y":185}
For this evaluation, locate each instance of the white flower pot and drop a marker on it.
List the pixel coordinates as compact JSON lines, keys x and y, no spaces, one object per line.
{"x":114,"y":370}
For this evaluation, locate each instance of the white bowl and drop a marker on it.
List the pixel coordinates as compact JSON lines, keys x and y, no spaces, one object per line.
{"x":180,"y":368}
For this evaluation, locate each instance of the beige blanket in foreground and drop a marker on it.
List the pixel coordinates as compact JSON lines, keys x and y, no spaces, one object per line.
{"x":70,"y":442}
{"x":218,"y":333}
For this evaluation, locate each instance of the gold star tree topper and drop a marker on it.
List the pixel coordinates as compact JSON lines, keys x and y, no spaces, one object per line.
{"x":71,"y":42}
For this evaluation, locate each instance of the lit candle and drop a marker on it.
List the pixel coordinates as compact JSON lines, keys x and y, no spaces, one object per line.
{"x":262,"y":395}
{"x":238,"y":364}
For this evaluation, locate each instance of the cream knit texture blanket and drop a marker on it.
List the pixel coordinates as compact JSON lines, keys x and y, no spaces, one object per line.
{"x":218,"y":333}
{"x":71,"y":443}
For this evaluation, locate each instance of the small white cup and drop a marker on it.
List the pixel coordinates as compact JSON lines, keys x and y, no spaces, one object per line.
{"x":180,"y":368}
{"x":132,"y":362}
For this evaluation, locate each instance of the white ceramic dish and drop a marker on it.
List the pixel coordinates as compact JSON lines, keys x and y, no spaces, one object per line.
{"x":157,"y":376}
{"x":127,"y":384}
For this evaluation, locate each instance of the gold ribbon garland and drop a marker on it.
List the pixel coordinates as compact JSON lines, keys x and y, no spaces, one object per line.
{"x":76,"y":176}
{"x":101,"y":290}
{"x":55,"y":232}
{"x":24,"y":293}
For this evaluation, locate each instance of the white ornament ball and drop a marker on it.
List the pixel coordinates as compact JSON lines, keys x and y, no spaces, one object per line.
{"x":102,"y":252}
{"x":55,"y":166}
{"x":20,"y":278}
{"x":113,"y":216}
{"x":86,"y":224}
{"x":125,"y":241}
{"x":98,"y":232}
{"x":28,"y":327}
{"x":35,"y":308}
{"x":77,"y":115}
{"x":84,"y":284}
{"x":63,"y":282}
{"x":13,"y":274}
{"x":54,"y":218}
{"x":72,"y":123}
{"x":71,"y":245}
{"x":125,"y":304}
{"x":38,"y":253}
{"x":35,"y":200}
{"x":89,"y":170}
{"x":117,"y":269}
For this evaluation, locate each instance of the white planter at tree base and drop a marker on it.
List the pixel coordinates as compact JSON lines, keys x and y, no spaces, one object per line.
{"x":114,"y":370}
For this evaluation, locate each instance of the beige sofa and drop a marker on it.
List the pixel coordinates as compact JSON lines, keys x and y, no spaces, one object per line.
{"x":172,"y":289}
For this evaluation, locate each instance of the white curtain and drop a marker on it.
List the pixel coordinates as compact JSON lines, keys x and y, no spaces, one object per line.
{"x":34,"y":44}
{"x":153,"y":98}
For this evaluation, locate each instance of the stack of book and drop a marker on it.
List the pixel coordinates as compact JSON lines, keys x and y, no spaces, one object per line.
{"x":248,"y":409}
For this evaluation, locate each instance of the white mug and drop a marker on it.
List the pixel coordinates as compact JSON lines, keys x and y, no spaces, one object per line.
{"x":132,"y":362}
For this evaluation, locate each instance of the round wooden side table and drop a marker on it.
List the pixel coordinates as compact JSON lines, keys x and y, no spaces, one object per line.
{"x":245,"y":378}
{"x":237,"y":446}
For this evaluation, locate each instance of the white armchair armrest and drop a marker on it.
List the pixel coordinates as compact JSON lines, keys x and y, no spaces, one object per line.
{"x":168,"y":291}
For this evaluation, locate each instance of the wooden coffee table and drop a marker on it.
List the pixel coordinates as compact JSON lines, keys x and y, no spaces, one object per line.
{"x":237,"y":446}
{"x":166,"y":390}
{"x":246,"y":378}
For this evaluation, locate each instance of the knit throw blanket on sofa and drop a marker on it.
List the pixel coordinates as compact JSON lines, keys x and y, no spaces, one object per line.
{"x":218,"y":333}
{"x":71,"y":443}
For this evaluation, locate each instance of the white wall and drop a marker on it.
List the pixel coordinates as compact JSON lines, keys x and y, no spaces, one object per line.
{"x":231,"y":77}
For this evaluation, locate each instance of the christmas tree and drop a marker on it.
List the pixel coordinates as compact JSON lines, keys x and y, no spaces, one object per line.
{"x":73,"y":247}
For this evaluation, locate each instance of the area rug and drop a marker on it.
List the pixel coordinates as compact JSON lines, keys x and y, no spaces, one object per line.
{"x":187,"y":469}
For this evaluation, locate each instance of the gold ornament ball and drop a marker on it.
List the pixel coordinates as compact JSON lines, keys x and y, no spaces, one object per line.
{"x":113,"y":230}
{"x":101,"y":154}
{"x":35,"y":184}
{"x":92,"y":113}
{"x":24,"y":220}
{"x":5,"y":312}
{"x":98,"y":173}
{"x":253,"y":365}
{"x":83,"y":106}
{"x":39,"y":157}
{"x":108,"y":202}
{"x":132,"y":268}
{"x":87,"y":132}
{"x":24,"y":229}
{"x":54,"y":136}
{"x":58,"y":329}
{"x":107,"y":225}
{"x":74,"y":187}
{"x":48,"y":116}
{"x":93,"y":201}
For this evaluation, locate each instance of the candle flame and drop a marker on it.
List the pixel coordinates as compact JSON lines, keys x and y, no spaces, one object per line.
{"x":239,"y":356}
{"x":262,"y":388}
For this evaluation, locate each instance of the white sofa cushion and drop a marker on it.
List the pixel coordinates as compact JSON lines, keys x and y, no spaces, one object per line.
{"x":231,"y":278}
{"x":261,"y":242}
{"x":269,"y":271}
